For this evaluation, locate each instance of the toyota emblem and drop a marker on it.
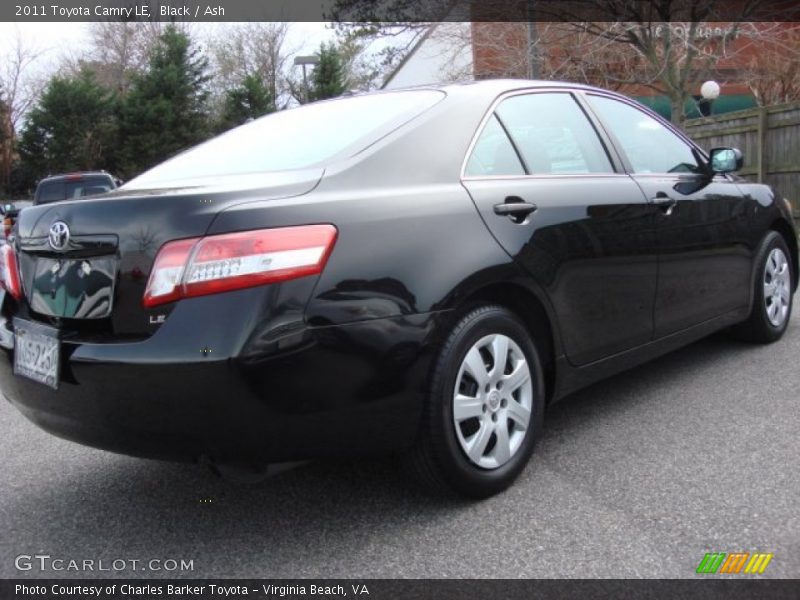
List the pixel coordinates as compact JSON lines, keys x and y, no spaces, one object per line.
{"x":59,"y":235}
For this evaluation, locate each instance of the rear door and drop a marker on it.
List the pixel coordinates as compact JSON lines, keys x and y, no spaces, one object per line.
{"x":556,"y":198}
{"x":702,"y":222}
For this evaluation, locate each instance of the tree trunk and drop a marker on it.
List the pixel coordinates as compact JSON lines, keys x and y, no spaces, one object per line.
{"x":6,"y":152}
{"x":676,"y":103}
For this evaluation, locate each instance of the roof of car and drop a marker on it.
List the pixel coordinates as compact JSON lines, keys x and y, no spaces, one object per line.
{"x":498,"y":86}
{"x":489,"y":89}
{"x":76,"y":175}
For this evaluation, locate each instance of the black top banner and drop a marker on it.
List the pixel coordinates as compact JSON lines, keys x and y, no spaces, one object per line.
{"x":400,"y":10}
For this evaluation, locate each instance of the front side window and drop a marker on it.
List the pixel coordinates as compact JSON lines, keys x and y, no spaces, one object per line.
{"x":553,"y":135}
{"x":649,"y":145}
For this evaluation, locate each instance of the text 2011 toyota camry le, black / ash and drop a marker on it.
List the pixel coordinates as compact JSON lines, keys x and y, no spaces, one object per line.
{"x":420,"y":271}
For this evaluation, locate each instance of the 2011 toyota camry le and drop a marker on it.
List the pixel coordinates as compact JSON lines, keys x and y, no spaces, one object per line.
{"x":418,"y":271}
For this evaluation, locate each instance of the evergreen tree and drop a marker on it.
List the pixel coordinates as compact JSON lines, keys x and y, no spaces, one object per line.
{"x":328,"y":79}
{"x":249,"y":100}
{"x":165,"y":110}
{"x":72,"y":128}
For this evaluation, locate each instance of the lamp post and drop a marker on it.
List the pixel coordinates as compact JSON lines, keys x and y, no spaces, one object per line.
{"x":303,"y":61}
{"x":710,"y":92}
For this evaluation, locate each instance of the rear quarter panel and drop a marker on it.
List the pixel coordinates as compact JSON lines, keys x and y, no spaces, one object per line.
{"x":409,"y":234}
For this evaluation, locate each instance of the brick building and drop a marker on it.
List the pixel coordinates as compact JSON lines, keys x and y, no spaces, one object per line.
{"x":739,"y":57}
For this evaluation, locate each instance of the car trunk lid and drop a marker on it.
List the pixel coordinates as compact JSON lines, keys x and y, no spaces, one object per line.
{"x":84,"y":265}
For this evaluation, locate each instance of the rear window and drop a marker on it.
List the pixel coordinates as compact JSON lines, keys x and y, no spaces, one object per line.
{"x":56,"y":191}
{"x":295,"y":138}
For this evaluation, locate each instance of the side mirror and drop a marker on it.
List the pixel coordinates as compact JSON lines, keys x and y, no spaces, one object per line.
{"x":726,"y":160}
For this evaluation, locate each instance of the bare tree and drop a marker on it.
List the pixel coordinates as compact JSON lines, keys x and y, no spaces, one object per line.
{"x":119,"y":50}
{"x":364,"y":68}
{"x":676,"y":44}
{"x":668,"y":46}
{"x":20,"y":90}
{"x":673,"y":58}
{"x":452,"y":43}
{"x":146,"y":239}
{"x":253,"y":49}
{"x":669,"y":58}
{"x":773,"y":73}
{"x":507,"y":49}
{"x":382,"y":44}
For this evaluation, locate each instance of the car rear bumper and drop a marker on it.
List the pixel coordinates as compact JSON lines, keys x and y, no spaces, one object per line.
{"x":320,"y":391}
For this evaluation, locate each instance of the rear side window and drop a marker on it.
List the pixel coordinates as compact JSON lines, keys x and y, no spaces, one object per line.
{"x":296,"y":138}
{"x":56,"y":191}
{"x":649,"y":145}
{"x":553,"y":135}
{"x":52,"y":191}
{"x":91,"y":188}
{"x":493,"y":153}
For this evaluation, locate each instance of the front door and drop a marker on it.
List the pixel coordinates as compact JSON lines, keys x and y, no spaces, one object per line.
{"x":557,"y":201}
{"x":702,"y":221}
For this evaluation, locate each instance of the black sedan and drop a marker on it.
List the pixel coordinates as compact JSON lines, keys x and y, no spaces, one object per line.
{"x":419,"y":271}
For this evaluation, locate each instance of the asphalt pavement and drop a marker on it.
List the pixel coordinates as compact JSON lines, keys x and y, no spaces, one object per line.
{"x":637,"y":476}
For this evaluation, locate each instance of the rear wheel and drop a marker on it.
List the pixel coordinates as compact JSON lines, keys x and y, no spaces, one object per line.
{"x":772,"y":299}
{"x":485,"y":406}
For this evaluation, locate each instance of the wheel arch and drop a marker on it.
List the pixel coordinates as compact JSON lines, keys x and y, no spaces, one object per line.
{"x":530,"y":308}
{"x":790,"y":237}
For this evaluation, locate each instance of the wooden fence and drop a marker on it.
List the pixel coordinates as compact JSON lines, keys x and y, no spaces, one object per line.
{"x":769,"y":138}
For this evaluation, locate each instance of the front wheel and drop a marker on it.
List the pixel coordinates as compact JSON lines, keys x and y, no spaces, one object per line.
{"x":485,"y":406}
{"x":772,"y":296}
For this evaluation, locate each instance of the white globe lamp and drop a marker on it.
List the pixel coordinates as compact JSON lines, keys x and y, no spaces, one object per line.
{"x":710,"y":90}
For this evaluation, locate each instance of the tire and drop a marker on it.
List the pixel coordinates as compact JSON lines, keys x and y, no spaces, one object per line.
{"x":492,"y":420}
{"x":772,"y":294}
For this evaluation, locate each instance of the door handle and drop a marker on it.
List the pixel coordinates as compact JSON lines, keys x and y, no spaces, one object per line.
{"x":515,"y":208}
{"x":665,"y":203}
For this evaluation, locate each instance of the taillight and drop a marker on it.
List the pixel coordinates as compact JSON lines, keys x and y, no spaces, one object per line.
{"x":232,"y":261}
{"x":164,"y":284}
{"x":9,"y":278}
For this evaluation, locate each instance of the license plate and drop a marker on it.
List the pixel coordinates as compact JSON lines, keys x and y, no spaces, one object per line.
{"x":36,"y":352}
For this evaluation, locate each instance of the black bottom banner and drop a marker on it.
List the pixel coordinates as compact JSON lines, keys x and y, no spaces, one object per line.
{"x":398,"y":589}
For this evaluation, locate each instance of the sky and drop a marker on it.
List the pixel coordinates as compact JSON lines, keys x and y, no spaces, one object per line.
{"x":57,"y":41}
